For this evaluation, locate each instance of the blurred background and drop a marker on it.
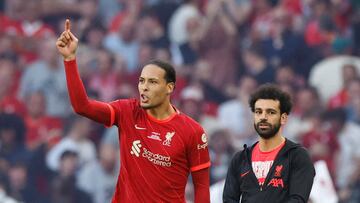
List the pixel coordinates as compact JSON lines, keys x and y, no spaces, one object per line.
{"x":222,"y":51}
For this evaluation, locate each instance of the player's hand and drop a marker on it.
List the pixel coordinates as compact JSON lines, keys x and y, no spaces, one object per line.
{"x":67,"y":43}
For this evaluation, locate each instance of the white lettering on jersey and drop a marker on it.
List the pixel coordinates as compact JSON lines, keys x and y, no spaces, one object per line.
{"x":154,"y":158}
{"x":261,"y":169}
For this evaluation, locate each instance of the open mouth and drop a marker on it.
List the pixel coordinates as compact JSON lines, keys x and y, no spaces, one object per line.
{"x":144,"y":98}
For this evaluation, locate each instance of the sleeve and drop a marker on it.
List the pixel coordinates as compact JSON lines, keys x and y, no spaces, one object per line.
{"x":302,"y":173}
{"x":201,"y":181}
{"x":98,"y":111}
{"x":232,"y":191}
{"x":198,"y":153}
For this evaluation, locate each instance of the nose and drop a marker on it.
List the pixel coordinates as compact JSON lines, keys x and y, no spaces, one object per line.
{"x":143,"y":86}
{"x":263,"y":116}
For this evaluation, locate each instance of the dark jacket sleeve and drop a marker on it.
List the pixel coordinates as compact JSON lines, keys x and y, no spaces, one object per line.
{"x":301,"y":176}
{"x":232,"y":191}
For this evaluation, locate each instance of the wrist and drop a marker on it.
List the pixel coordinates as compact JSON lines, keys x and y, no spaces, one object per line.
{"x":69,"y":58}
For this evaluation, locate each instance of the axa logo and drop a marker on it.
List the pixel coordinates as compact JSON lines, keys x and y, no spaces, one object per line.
{"x":276,"y":182}
{"x":168,"y":137}
{"x":136,"y":148}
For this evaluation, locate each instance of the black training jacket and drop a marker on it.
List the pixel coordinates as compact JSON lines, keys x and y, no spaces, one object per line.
{"x":289,"y":180}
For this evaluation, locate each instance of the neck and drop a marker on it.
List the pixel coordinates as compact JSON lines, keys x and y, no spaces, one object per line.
{"x":270,"y":144}
{"x":162,"y":112}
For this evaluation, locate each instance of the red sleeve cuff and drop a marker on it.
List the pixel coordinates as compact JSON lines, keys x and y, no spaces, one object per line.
{"x":70,"y":63}
{"x":112,"y":115}
{"x":201,"y":166}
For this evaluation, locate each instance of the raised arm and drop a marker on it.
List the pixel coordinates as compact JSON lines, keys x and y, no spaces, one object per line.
{"x":101,"y":112}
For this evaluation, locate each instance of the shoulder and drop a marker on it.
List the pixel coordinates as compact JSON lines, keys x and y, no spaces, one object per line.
{"x":300,"y":153}
{"x":295,"y":149}
{"x":300,"y":157}
{"x":126,"y":103}
{"x":238,"y":161}
{"x":238,"y":157}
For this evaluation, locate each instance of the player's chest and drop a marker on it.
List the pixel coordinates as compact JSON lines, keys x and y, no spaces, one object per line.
{"x":156,"y":138}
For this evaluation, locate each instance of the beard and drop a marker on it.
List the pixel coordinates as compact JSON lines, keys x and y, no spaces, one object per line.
{"x":269,"y":132}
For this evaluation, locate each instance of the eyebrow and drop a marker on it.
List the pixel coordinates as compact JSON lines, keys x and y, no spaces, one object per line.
{"x":268,"y":109}
{"x":149,"y":78}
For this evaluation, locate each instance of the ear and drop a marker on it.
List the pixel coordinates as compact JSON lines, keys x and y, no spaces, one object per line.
{"x":283,"y":118}
{"x":170,"y":87}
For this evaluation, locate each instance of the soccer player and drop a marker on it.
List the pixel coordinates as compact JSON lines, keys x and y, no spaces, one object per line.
{"x":274,"y":169}
{"x":159,"y":145}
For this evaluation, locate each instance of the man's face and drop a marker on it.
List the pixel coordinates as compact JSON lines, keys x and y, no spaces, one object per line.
{"x":153,"y":88}
{"x":267,"y":118}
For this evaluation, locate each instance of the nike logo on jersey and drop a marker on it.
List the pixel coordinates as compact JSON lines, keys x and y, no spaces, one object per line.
{"x":139,"y":128}
{"x":244,"y":174}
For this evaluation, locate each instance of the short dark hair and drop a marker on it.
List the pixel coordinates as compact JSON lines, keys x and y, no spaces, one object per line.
{"x":271,"y":91}
{"x":170,"y":74}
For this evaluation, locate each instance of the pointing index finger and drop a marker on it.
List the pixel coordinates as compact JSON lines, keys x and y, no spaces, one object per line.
{"x":67,"y":25}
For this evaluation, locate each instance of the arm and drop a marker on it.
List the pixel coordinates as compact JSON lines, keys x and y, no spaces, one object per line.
{"x":232,"y":191}
{"x":302,"y":174}
{"x":201,"y":183}
{"x":101,"y":112}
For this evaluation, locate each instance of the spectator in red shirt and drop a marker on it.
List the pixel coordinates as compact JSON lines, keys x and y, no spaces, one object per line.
{"x":41,"y":129}
{"x":8,"y":82}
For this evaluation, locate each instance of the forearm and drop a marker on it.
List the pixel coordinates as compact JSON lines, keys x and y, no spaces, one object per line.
{"x":95,"y":110}
{"x":76,"y":89}
{"x":201,"y":185}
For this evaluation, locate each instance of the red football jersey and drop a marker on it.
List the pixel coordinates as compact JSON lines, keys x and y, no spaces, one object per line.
{"x":156,"y":155}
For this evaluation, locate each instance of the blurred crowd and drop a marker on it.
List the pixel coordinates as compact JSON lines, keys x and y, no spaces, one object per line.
{"x":222,"y":51}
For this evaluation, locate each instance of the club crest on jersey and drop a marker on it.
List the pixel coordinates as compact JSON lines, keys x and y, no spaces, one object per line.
{"x":278,"y":170}
{"x":168,"y":138}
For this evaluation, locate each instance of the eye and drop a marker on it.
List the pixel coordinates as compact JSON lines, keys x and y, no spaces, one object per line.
{"x":272,"y":112}
{"x":153,"y":82}
{"x":141,"y":80}
{"x":257,"y":112}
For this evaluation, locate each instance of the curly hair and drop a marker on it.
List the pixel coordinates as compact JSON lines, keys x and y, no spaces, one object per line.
{"x":271,"y":91}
